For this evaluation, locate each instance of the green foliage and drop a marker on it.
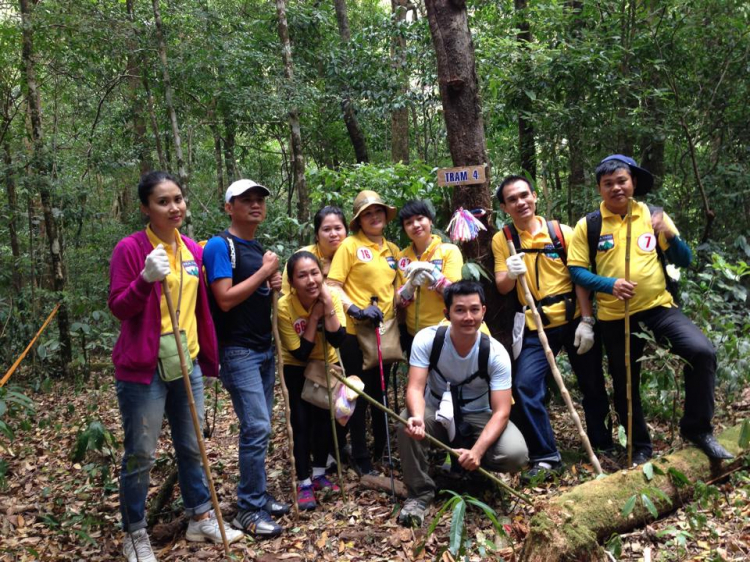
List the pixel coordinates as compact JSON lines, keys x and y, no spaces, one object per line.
{"x":95,"y":437}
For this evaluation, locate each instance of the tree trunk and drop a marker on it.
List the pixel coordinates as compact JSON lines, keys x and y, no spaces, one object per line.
{"x":400,"y":116}
{"x":570,"y":525}
{"x":526,"y":144}
{"x":356,"y":135}
{"x":576,"y":161}
{"x":217,"y":152}
{"x":298,"y":159}
{"x":154,"y":121}
{"x":41,"y":166}
{"x":15,"y":246}
{"x":181,"y":170}
{"x":459,"y":92}
{"x":229,"y":161}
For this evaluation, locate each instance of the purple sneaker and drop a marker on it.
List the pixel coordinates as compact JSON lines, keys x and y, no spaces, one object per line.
{"x":306,"y":498}
{"x":323,"y":484}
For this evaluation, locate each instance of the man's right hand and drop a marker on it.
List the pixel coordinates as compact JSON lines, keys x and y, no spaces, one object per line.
{"x":415,"y":428}
{"x":270,"y":263}
{"x":624,"y":290}
{"x":516,"y":266}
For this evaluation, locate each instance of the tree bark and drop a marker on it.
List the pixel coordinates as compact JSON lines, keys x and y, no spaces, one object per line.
{"x":229,"y":160}
{"x":41,"y":166}
{"x":459,"y":92}
{"x":298,"y":158}
{"x":400,"y":116}
{"x":356,"y":135}
{"x":526,"y":143}
{"x":570,"y":525}
{"x":15,"y":246}
{"x":168,"y":96}
{"x":576,"y":161}
{"x":154,"y":121}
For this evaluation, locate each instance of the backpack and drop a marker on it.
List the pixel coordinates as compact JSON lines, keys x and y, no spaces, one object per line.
{"x":594,"y":230}
{"x":558,"y":247}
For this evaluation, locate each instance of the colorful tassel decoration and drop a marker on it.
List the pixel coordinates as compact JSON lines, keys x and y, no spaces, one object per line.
{"x":464,"y":226}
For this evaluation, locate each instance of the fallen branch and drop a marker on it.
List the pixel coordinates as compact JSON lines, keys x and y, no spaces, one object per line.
{"x":570,"y":526}
{"x":383,"y":484}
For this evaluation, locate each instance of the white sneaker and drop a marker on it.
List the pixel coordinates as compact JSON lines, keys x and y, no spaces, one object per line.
{"x":208,"y":530}
{"x":137,"y":547}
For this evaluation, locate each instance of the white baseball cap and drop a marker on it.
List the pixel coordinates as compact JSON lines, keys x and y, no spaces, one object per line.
{"x":241,"y":186}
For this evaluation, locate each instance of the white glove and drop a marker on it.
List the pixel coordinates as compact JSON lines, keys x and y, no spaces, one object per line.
{"x":417,"y":266}
{"x":516,"y":266}
{"x":157,"y":265}
{"x":406,"y":292}
{"x":584,"y":339}
{"x":423,"y":278}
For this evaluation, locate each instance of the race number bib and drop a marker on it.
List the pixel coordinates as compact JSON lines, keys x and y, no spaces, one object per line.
{"x":364,"y":254}
{"x":403,"y":263}
{"x":300,"y":325}
{"x":647,"y":242}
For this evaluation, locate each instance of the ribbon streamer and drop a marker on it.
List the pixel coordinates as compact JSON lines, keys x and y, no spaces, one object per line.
{"x":464,"y":226}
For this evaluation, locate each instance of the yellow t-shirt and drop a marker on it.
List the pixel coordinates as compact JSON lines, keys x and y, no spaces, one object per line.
{"x":292,"y":323}
{"x":189,"y":290}
{"x":448,"y":259}
{"x":314,"y":249}
{"x":645,"y":268}
{"x":365,"y":270}
{"x":553,"y":275}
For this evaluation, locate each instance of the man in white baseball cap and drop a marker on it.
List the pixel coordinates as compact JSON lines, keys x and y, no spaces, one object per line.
{"x":241,"y":186}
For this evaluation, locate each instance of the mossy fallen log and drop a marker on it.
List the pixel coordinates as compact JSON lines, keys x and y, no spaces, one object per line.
{"x":571,"y":525}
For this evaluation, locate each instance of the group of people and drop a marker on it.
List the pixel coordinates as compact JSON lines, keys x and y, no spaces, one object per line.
{"x":340,"y":290}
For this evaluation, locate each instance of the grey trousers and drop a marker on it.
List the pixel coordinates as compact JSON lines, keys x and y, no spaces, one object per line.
{"x":508,"y":454}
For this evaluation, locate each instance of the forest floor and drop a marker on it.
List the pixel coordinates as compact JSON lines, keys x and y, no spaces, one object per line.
{"x":52,"y":508}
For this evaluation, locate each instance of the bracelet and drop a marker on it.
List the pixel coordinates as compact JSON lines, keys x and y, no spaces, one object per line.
{"x":333,"y":311}
{"x":590,"y":320}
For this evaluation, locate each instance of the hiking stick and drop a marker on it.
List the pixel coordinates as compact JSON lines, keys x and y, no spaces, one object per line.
{"x":432,"y":440}
{"x":285,"y":394}
{"x":333,"y":418}
{"x":374,"y":300}
{"x":194,"y":413}
{"x":628,"y":369}
{"x":555,"y":371}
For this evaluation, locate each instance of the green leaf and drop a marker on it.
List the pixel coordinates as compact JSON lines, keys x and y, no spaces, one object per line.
{"x":649,"y":505}
{"x":622,"y":436}
{"x":627,"y":509}
{"x":457,"y":527}
{"x":744,"y":439}
{"x":648,"y":470}
{"x":614,"y":545}
{"x":677,"y":477}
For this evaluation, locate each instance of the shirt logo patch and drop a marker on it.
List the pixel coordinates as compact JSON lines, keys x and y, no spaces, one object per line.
{"x":364,"y":254}
{"x":606,"y":242}
{"x":300,"y":325}
{"x":391,"y":262}
{"x":647,"y":242}
{"x":403,"y":263}
{"x":190,"y":267}
{"x":438,"y":264}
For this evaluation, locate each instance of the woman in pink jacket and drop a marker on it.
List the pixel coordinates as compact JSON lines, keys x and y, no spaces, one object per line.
{"x":139,"y":264}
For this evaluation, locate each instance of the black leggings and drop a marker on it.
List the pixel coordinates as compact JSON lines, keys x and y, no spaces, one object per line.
{"x":311,"y":425}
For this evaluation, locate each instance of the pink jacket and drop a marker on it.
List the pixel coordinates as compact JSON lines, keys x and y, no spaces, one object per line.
{"x":136,"y":303}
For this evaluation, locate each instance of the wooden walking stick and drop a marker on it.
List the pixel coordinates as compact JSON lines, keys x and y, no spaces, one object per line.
{"x":194,"y":414}
{"x":285,"y":394}
{"x":628,"y":369}
{"x":333,"y":419}
{"x":553,"y":366}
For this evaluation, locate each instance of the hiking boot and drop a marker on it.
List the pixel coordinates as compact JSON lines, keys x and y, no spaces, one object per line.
{"x":641,"y":456}
{"x":364,"y":468}
{"x":275,"y":507}
{"x":707,"y":443}
{"x":413,"y":512}
{"x":208,"y":530}
{"x":323,"y":484}
{"x":257,"y":523}
{"x":137,"y":547}
{"x":542,"y":471}
{"x":306,"y":498}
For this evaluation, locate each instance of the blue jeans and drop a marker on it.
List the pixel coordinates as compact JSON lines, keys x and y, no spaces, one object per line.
{"x":248,"y":376}
{"x":530,"y":391}
{"x":142,"y":407}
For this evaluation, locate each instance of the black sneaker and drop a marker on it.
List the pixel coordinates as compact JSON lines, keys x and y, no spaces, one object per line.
{"x":641,"y":456}
{"x":275,"y":507}
{"x":257,"y":523}
{"x":541,"y":471}
{"x":364,"y":468}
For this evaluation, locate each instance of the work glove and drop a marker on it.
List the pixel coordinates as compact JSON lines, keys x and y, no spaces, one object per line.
{"x":417,"y":266}
{"x":371,"y":313}
{"x":516,"y":266}
{"x":423,"y":278}
{"x":157,"y":265}
{"x":406,"y":292}
{"x":584,"y":338}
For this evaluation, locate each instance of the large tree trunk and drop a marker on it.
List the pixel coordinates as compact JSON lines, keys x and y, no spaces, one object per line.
{"x":571,"y":525}
{"x":41,"y":166}
{"x":15,"y":246}
{"x":576,"y":161}
{"x":400,"y":116}
{"x":298,"y":159}
{"x":152,"y":117}
{"x":356,"y":135}
{"x":229,"y":160}
{"x":459,"y":92}
{"x":526,"y":144}
{"x":168,"y":95}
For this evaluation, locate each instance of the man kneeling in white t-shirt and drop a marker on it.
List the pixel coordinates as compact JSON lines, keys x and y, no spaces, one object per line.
{"x":460,"y":393}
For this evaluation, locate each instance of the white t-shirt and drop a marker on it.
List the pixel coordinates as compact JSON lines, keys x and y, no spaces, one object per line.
{"x":456,"y":369}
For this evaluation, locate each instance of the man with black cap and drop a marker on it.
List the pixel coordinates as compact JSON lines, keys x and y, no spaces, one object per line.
{"x":242,"y":276}
{"x":599,"y":242}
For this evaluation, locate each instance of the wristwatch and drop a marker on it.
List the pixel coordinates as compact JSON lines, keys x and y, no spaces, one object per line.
{"x":590,"y":320}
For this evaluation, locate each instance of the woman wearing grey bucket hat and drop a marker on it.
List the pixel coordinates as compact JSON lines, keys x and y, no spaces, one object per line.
{"x":364,"y":269}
